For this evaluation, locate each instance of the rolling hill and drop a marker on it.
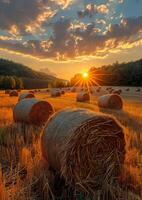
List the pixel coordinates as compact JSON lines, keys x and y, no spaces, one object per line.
{"x":31,"y":78}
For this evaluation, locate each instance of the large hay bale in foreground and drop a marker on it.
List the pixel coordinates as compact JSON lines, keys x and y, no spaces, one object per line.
{"x":25,"y":96}
{"x":32,"y":111}
{"x":83,"y":97}
{"x":13,"y":93}
{"x":112,"y":101}
{"x":55,"y":93}
{"x":87,"y":149}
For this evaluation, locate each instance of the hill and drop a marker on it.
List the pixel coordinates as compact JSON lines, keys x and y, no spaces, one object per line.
{"x":122,"y":74}
{"x":31,"y":78}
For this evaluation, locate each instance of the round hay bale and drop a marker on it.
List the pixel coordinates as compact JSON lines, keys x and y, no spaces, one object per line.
{"x":25,"y":96}
{"x":98,"y":89}
{"x":32,"y":111}
{"x":112,"y":101}
{"x":111,"y":91}
{"x":73,"y":90}
{"x":13,"y":93}
{"x":127,"y":89}
{"x":7,"y":91}
{"x":62,"y":92}
{"x":31,"y":91}
{"x":55,"y":93}
{"x":19,"y":90}
{"x":84,"y":147}
{"x":108,"y":88}
{"x":138,"y":90}
{"x":117,"y":91}
{"x":83,"y":97}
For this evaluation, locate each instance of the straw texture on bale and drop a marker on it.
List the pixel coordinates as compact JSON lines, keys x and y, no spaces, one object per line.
{"x":112,"y":101}
{"x":82,"y":97}
{"x":25,"y":96}
{"x":32,"y":111}
{"x":86,"y":148}
{"x":13,"y":93}
{"x":55,"y":93}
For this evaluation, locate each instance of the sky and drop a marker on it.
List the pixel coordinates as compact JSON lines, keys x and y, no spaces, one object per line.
{"x":65,"y":37}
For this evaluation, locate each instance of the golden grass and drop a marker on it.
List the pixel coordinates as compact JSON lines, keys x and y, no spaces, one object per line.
{"x":23,"y":176}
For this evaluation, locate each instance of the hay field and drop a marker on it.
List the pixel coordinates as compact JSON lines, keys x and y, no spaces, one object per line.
{"x":23,"y":175}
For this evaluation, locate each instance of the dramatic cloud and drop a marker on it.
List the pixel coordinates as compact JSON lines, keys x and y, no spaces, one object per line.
{"x":58,"y":30}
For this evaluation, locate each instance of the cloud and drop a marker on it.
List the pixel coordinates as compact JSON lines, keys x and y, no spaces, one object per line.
{"x":92,"y":9}
{"x":48,"y":29}
{"x":27,"y":16}
{"x":68,"y":42}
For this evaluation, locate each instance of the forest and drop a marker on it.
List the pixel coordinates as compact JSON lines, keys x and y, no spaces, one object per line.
{"x":117,"y":74}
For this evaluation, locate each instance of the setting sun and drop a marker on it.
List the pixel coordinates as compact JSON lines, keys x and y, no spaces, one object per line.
{"x":85,"y":75}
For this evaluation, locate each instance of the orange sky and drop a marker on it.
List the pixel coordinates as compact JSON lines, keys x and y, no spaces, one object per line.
{"x":67,"y":69}
{"x":65,"y":37}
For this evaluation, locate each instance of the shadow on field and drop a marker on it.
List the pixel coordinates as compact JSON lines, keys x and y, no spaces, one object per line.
{"x":125,"y":119}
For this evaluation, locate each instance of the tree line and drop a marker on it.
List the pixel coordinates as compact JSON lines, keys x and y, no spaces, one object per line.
{"x":10,"y":82}
{"x":117,"y":74}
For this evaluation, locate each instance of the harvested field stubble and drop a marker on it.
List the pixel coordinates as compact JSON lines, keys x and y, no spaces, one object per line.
{"x":25,"y":177}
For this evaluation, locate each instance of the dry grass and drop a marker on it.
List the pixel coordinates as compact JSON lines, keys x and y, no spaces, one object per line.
{"x":24,"y":176}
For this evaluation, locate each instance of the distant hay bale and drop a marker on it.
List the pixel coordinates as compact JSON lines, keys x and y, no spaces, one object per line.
{"x":117,"y":91}
{"x":110,"y":91}
{"x":31,"y":91}
{"x":7,"y":91}
{"x":138,"y":90}
{"x":13,"y":93}
{"x":108,"y":88}
{"x":62,"y":92}
{"x":55,"y":93}
{"x":32,"y":111}
{"x":73,"y":89}
{"x":112,"y":101}
{"x":25,"y":96}
{"x":98,"y":89}
{"x":19,"y":90}
{"x":86,"y":148}
{"x":127,"y":89}
{"x":83,"y":97}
